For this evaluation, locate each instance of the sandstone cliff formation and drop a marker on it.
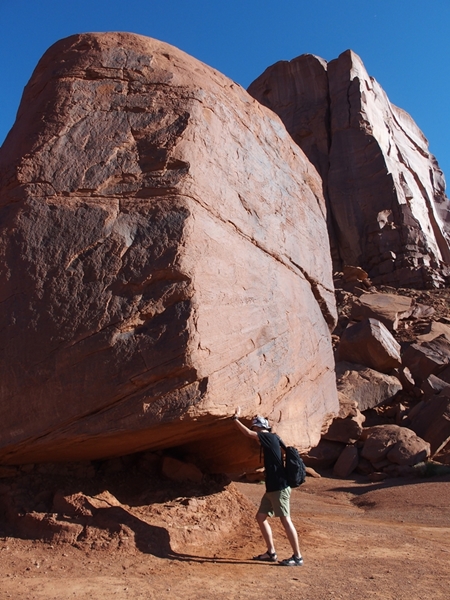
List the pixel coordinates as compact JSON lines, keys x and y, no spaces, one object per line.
{"x":388,"y":210}
{"x":164,"y":257}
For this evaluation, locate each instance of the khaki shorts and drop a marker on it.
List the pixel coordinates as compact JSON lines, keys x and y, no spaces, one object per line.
{"x":276,"y":504}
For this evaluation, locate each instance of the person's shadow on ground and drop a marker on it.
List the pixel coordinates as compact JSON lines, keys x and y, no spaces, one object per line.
{"x":149,"y":539}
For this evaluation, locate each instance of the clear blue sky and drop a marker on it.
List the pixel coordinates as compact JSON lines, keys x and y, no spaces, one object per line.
{"x":404,"y":44}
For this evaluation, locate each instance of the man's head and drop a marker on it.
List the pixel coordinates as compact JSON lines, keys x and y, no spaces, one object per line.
{"x":261,"y":423}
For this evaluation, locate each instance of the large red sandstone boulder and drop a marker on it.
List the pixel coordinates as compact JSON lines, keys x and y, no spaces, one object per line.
{"x":164,"y":258}
{"x":389,"y":212}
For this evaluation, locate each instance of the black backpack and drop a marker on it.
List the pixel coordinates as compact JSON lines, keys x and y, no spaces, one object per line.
{"x":295,"y":467}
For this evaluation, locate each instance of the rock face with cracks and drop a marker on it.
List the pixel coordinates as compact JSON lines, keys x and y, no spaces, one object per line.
{"x":164,"y":257}
{"x":388,"y":210}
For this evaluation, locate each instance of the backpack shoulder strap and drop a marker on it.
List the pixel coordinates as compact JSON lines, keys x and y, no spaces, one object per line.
{"x":282,"y":444}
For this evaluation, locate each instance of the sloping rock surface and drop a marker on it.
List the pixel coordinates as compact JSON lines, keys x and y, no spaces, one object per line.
{"x":388,"y":210}
{"x":426,"y":358}
{"x":371,"y":344}
{"x":435,"y":329}
{"x":387,"y":308}
{"x":163,"y":257}
{"x":365,"y":386}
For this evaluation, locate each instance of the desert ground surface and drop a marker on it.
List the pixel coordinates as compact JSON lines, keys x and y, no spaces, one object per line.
{"x":387,"y":540}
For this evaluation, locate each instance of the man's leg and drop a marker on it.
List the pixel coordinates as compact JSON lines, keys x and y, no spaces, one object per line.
{"x":291,"y":533}
{"x":266,"y":531}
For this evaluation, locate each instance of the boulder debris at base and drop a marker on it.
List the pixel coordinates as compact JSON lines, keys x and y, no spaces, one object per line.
{"x":432,"y":421}
{"x":367,"y":387}
{"x":347,"y":462}
{"x":434,"y":330}
{"x":395,"y":444}
{"x":121,"y":509}
{"x":324,"y":455}
{"x":387,"y":308}
{"x":433,"y":385}
{"x":380,"y":447}
{"x":426,"y":358}
{"x":371,"y":344}
{"x":389,"y":213}
{"x":164,"y":256}
{"x":371,"y":399}
{"x":348,"y":425}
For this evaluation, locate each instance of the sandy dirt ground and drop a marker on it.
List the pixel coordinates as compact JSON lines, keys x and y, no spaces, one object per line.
{"x":388,"y":540}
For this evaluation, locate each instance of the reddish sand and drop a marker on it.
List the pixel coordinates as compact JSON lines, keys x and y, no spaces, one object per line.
{"x":389,"y":540}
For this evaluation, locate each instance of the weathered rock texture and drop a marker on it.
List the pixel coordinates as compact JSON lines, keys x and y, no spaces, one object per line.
{"x":164,"y":257}
{"x":389,"y":212}
{"x":395,"y":444}
{"x":371,"y":344}
{"x":432,"y":422}
{"x":348,"y":425}
{"x":387,"y":308}
{"x":435,"y":329}
{"x":366,"y":387}
{"x":347,"y":462}
{"x":426,"y":358}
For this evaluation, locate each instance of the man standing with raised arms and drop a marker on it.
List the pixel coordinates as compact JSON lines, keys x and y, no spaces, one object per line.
{"x":275,"y":501}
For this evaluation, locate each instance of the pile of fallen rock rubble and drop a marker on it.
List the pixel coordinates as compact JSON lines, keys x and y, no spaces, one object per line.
{"x":149,"y":502}
{"x":392,"y":352}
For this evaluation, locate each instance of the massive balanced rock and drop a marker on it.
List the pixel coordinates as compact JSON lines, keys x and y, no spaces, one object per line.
{"x":385,"y":191}
{"x":164,"y":257}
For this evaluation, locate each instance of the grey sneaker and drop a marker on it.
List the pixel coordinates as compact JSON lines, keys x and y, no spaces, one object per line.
{"x":294,"y":561}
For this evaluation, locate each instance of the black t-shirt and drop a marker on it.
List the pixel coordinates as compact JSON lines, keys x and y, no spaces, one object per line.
{"x":273,"y":462}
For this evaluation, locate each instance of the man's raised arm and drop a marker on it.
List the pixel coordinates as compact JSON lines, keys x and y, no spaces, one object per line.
{"x":242,"y":428}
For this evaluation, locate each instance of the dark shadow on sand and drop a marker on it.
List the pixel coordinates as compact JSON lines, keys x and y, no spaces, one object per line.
{"x":364,"y":486}
{"x":150,"y":539}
